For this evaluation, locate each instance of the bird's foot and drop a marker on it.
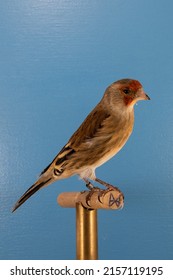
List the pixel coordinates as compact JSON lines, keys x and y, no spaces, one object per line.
{"x":107,"y":185}
{"x":92,"y":189}
{"x":112,"y":193}
{"x":91,"y":192}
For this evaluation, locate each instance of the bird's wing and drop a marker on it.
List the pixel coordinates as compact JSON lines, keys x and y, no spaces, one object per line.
{"x":88,"y":130}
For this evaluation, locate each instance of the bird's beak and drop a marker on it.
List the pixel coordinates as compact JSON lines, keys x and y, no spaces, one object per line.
{"x":141,"y":95}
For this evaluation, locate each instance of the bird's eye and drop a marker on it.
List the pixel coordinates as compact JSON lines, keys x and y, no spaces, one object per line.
{"x":126,"y":91}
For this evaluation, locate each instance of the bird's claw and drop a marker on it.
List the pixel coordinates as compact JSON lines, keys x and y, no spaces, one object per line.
{"x":92,"y":190}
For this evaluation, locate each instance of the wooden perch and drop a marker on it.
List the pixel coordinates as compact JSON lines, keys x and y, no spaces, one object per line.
{"x":94,"y":199}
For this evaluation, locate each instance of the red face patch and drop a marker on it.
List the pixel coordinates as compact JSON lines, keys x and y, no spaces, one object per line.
{"x":128,"y":99}
{"x":134,"y":85}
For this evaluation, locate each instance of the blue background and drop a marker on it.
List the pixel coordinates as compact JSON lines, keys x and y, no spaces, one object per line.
{"x":56,"y":59}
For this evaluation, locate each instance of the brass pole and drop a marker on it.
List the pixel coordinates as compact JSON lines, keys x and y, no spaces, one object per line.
{"x":86,"y":233}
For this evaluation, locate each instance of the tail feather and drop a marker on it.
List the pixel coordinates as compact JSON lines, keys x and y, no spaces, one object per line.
{"x":34,"y":188}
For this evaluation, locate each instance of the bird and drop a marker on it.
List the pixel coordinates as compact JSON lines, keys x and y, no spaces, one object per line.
{"x":101,"y":136}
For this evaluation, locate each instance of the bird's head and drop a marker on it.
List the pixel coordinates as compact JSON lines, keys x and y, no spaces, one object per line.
{"x":125,"y":93}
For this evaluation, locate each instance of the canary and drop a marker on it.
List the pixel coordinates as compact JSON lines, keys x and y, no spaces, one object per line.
{"x":102,"y":134}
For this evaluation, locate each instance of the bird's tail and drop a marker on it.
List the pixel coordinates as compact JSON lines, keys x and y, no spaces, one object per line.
{"x":34,"y":188}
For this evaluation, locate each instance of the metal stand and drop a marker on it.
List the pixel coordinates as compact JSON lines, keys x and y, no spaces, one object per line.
{"x":86,"y":204}
{"x":86,"y":233}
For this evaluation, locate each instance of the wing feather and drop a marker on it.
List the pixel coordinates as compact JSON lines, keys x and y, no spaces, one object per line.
{"x":90,"y":128}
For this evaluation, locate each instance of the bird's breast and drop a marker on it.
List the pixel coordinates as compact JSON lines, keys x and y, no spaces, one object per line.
{"x":116,"y":139}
